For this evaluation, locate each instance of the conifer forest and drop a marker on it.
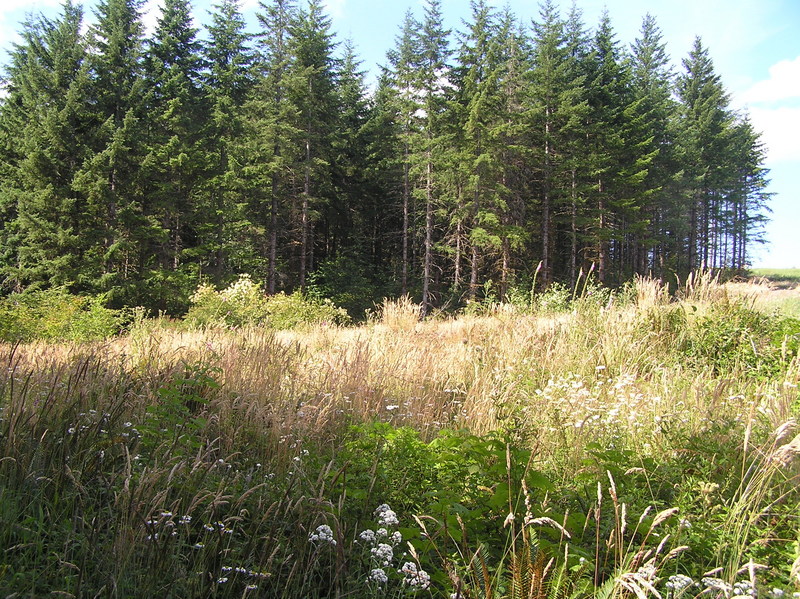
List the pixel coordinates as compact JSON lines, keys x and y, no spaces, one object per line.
{"x":518,"y":150}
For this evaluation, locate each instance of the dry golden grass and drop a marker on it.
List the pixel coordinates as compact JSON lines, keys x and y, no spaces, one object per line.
{"x":568,"y":376}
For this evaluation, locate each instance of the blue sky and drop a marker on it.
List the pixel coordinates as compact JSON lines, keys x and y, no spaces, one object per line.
{"x":755,"y":46}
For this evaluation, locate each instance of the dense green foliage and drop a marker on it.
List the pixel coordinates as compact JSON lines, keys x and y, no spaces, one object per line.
{"x":56,"y":315}
{"x":244,"y":303}
{"x":138,"y":167}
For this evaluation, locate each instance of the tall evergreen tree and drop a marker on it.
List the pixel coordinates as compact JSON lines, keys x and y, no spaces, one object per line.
{"x":46,"y":127}
{"x":576,"y":149}
{"x":557,"y":113}
{"x":652,"y":80}
{"x":315,"y":97}
{"x":405,"y":103}
{"x":271,"y":140}
{"x":351,"y":218}
{"x":173,"y":165}
{"x":228,"y":81}
{"x":706,"y":120}
{"x":608,"y":97}
{"x":433,"y":70}
{"x":747,"y":201}
{"x":479,"y":120}
{"x":110,"y":178}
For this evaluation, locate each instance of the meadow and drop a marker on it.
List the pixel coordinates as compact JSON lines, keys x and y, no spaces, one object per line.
{"x":576,"y":443}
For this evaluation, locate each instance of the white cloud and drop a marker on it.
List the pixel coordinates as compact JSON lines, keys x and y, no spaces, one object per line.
{"x":151,"y":12}
{"x":248,"y":5}
{"x":780,"y":129}
{"x":783,"y":84}
{"x":335,"y":8}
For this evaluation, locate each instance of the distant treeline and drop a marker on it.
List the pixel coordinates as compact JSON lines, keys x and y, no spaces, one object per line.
{"x":138,"y":167}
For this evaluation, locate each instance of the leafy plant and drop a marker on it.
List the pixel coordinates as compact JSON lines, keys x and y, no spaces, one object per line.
{"x":243,"y":303}
{"x":57,"y":315}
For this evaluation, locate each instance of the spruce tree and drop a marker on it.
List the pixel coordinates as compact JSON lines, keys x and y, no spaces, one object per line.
{"x":45,"y":127}
{"x":608,"y":97}
{"x":271,"y":141}
{"x":173,"y":165}
{"x":222,"y":243}
{"x":351,"y":217}
{"x":404,"y":101}
{"x":434,"y":53}
{"x":110,"y":177}
{"x":651,"y":80}
{"x":705,"y":122}
{"x":314,"y":95}
{"x":479,"y":120}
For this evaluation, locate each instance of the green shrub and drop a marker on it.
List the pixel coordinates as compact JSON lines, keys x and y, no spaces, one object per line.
{"x":244,"y":303}
{"x":733,"y":336}
{"x":57,"y":315}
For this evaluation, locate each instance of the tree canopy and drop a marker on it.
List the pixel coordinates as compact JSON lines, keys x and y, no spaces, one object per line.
{"x":479,"y":160}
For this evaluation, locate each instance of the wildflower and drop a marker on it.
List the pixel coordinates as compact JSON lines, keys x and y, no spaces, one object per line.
{"x":378,"y":576}
{"x":415,"y":577}
{"x":251,"y":587}
{"x":166,"y":514}
{"x":396,"y":538}
{"x":208,"y":527}
{"x":684,"y":524}
{"x":677,"y":583}
{"x":776,"y":593}
{"x":198,"y":545}
{"x":324,"y":534}
{"x":716,"y":584}
{"x":368,"y":536}
{"x":744,"y":588}
{"x":185,"y":519}
{"x":388,"y":517}
{"x":222,"y":580}
{"x":383,"y":554}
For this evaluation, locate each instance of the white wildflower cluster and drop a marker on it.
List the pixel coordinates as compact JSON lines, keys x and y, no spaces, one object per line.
{"x":716,"y":584}
{"x":383,"y":554}
{"x":677,"y":584}
{"x":250,"y":577}
{"x":241,"y":289}
{"x":218,"y":526}
{"x":415,"y":577}
{"x":323,"y":534}
{"x":164,"y":525}
{"x":744,"y":588}
{"x":368,"y":536}
{"x":377,"y":576}
{"x":386,"y":516}
{"x":606,"y":403}
{"x":382,"y":543}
